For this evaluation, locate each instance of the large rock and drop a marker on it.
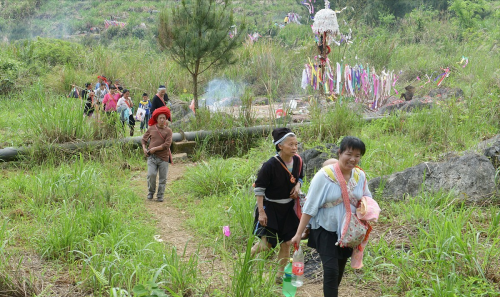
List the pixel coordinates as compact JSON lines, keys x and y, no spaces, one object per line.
{"x":417,"y":103}
{"x":390,"y":107}
{"x":485,"y":144}
{"x":408,"y":106}
{"x":492,"y":152}
{"x":313,"y":158}
{"x":445,"y":93}
{"x":179,"y":109}
{"x":182,"y":122}
{"x":471,"y":176}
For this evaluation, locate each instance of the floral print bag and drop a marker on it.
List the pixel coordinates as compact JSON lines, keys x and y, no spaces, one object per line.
{"x":353,"y":229}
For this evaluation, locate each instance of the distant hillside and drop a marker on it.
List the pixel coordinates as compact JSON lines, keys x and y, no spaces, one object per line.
{"x":417,"y":43}
{"x":21,"y":19}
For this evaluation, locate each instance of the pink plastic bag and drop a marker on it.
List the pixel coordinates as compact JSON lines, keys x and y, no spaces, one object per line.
{"x":357,"y":256}
{"x":368,"y":209}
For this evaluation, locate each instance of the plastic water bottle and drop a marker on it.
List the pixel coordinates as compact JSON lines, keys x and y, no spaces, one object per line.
{"x":298,"y":267}
{"x":288,"y":289}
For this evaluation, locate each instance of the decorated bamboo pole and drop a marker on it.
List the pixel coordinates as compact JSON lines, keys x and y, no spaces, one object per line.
{"x":326,"y":27}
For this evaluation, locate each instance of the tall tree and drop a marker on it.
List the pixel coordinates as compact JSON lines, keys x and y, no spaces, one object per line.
{"x":197,"y":36}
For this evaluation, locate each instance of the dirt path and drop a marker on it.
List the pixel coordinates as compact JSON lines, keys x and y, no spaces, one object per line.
{"x":170,"y":222}
{"x":170,"y":219}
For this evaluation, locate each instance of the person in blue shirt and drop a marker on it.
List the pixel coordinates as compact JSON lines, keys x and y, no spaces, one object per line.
{"x":324,"y":210}
{"x":101,"y":80}
{"x":146,"y":105}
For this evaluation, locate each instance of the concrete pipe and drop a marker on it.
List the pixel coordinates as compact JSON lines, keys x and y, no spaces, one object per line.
{"x":11,"y":154}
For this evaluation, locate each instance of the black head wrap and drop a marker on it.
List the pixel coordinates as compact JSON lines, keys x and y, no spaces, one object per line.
{"x":279,"y":134}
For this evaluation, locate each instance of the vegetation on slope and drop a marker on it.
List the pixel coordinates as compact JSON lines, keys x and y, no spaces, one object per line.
{"x":429,"y":245}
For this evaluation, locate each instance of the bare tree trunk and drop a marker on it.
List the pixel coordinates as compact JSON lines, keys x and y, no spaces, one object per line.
{"x":195,"y":83}
{"x":195,"y":89}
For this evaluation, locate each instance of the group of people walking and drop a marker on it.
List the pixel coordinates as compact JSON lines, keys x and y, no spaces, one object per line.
{"x":277,"y":187}
{"x":277,"y":190}
{"x":111,"y":98}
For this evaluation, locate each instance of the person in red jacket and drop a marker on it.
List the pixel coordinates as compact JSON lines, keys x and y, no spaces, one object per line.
{"x":158,"y":152}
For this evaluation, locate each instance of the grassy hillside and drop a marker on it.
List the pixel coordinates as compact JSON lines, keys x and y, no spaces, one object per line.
{"x":420,"y":44}
{"x":77,"y":225}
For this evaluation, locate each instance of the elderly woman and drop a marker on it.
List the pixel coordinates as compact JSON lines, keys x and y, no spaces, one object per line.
{"x":158,"y":153}
{"x":160,"y":99}
{"x":324,"y":210}
{"x":277,"y":187}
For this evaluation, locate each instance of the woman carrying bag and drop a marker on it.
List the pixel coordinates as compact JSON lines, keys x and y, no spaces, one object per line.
{"x":325,"y":210}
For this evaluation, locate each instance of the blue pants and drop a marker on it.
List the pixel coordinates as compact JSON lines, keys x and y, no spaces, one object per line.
{"x":145,"y":122}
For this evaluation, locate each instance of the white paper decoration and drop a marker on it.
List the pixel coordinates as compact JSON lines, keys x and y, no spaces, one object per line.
{"x":325,"y":20}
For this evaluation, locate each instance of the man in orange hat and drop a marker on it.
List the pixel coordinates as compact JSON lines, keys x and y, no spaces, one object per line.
{"x":158,"y":152}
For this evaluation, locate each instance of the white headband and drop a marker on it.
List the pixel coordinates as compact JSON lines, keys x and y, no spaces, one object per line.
{"x":159,"y":89}
{"x":283,"y":138}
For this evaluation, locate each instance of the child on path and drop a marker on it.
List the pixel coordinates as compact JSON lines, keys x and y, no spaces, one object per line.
{"x":101,"y":80}
{"x":74,"y":93}
{"x":146,"y":105}
{"x":158,"y":151}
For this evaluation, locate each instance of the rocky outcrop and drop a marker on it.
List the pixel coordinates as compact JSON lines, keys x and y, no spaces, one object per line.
{"x":179,"y":109}
{"x":492,"y":152}
{"x":426,"y":101}
{"x":181,"y":113}
{"x":445,"y":93}
{"x":471,"y":177}
{"x":313,"y":158}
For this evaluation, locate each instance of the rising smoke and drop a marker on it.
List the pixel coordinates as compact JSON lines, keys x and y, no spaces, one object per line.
{"x":222,"y":93}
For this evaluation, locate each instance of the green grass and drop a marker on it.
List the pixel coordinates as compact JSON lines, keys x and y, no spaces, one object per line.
{"x":79,"y":214}
{"x":77,"y":210}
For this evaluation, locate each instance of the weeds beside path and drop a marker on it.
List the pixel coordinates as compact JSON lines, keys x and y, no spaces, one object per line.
{"x":170,"y":222}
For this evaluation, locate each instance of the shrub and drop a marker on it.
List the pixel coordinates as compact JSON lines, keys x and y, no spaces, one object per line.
{"x":49,"y":52}
{"x":9,"y":72}
{"x":293,"y":35}
{"x":20,"y":8}
{"x":338,"y":120}
{"x":468,"y":13}
{"x":111,"y":32}
{"x":217,"y":176}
